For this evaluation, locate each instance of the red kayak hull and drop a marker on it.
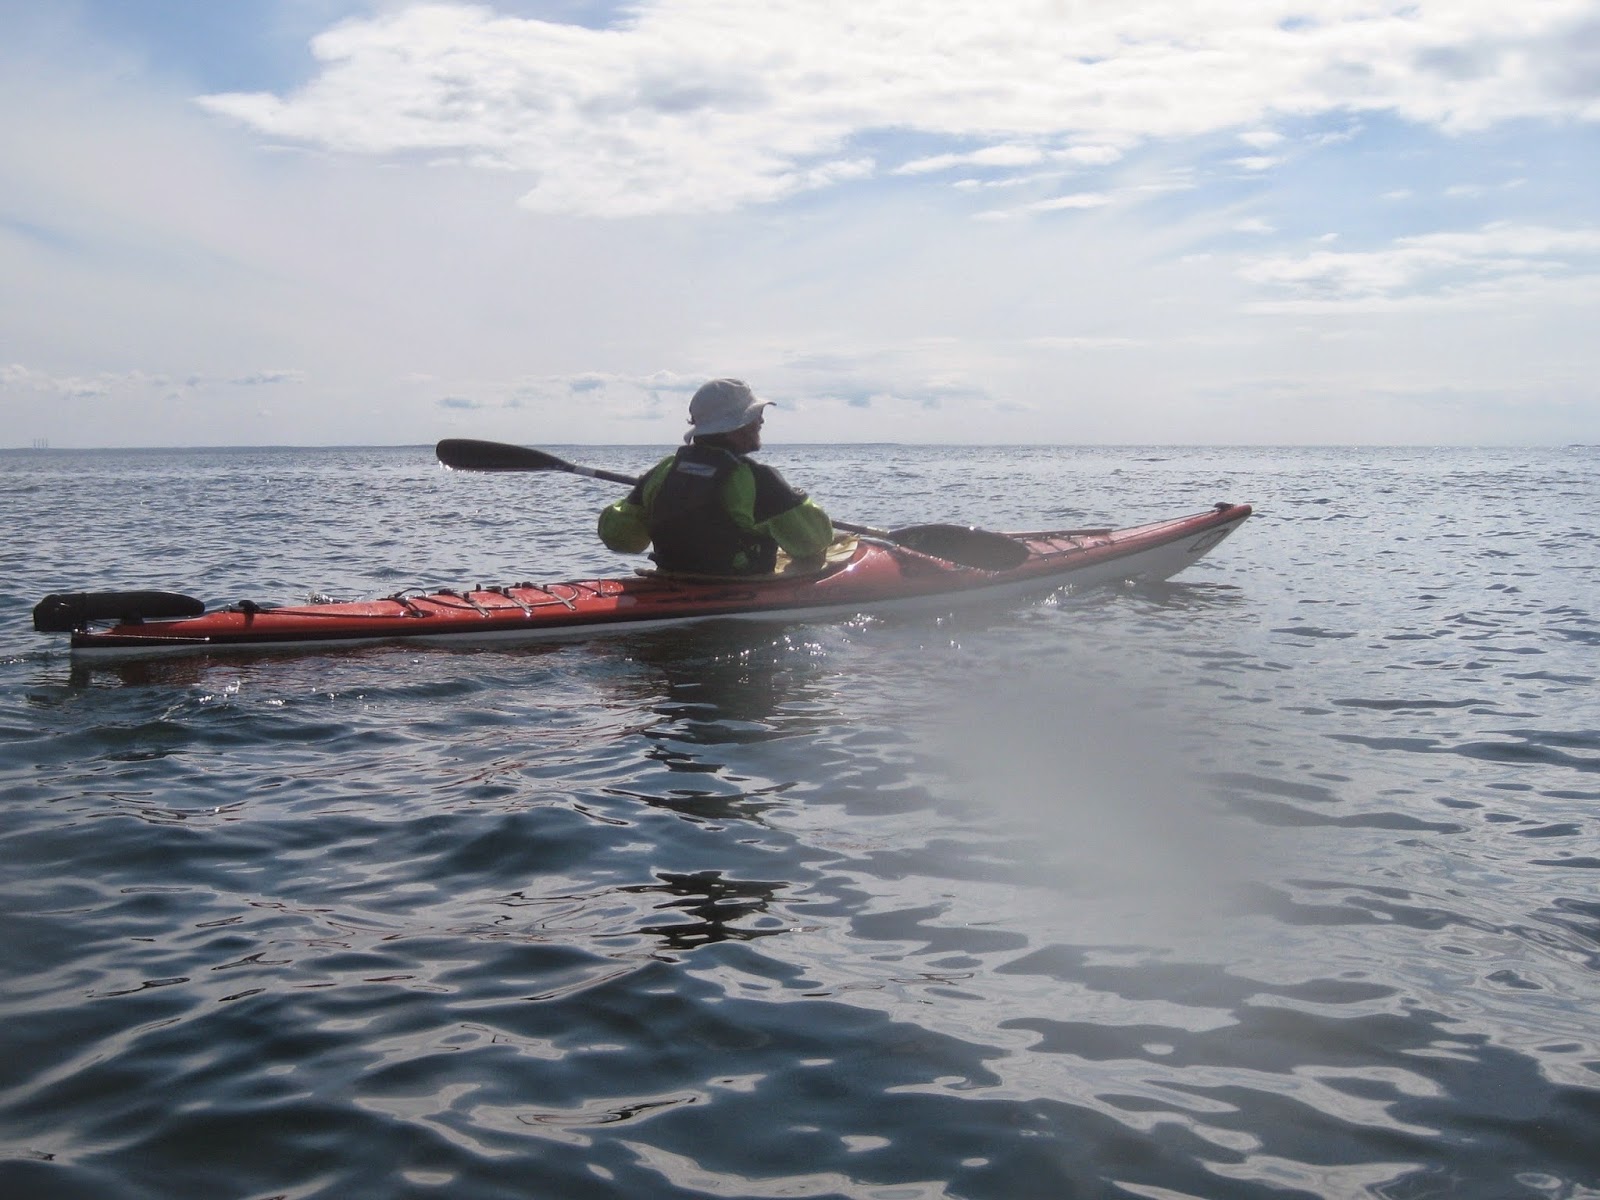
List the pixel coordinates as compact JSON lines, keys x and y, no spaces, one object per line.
{"x":875,"y":577}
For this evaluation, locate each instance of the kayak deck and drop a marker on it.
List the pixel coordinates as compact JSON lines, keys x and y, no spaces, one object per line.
{"x":862,"y":576}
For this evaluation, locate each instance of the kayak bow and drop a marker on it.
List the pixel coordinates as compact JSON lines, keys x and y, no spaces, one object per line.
{"x":863,"y":575}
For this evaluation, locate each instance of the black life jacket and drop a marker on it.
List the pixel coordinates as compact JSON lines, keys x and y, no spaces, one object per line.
{"x":690,"y":529}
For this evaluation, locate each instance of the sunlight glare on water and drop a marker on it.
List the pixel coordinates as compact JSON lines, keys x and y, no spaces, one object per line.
{"x":1275,"y":880}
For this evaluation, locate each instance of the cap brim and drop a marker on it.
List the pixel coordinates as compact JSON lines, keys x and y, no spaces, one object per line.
{"x":751,"y":414}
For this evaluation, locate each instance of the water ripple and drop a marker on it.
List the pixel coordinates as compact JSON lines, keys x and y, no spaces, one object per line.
{"x":1277,"y":879}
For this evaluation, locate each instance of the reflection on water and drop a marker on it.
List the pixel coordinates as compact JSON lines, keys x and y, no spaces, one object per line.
{"x":722,"y":909}
{"x":1277,"y":880}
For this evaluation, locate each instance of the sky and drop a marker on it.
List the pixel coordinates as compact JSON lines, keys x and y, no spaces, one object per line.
{"x":368,"y":222}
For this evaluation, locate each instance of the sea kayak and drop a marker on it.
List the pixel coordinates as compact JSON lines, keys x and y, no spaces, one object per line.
{"x":864,"y":575}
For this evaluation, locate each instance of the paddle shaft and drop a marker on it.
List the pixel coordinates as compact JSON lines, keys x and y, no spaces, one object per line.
{"x":978,"y":548}
{"x":469,"y":454}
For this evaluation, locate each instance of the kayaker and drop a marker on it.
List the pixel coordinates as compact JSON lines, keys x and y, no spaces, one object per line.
{"x":710,"y":509}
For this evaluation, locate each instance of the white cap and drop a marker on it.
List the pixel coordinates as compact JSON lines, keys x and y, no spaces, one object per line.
{"x":722,"y":406}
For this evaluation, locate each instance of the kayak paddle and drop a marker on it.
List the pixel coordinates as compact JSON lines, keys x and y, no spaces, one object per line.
{"x":980,"y":548}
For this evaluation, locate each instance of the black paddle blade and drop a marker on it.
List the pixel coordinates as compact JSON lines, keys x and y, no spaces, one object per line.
{"x":470,"y":454}
{"x":981,"y":548}
{"x":63,"y":612}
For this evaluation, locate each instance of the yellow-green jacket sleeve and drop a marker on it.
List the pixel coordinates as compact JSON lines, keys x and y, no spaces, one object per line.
{"x":804,"y":530}
{"x":623,"y":528}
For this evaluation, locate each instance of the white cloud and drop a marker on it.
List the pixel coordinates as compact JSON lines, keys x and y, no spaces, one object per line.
{"x":19,"y":379}
{"x":1477,"y":191}
{"x":1454,"y":269}
{"x":1078,"y":200}
{"x":1094,"y":155}
{"x":1261,"y":139}
{"x":1011,"y":155}
{"x":600,"y":396}
{"x":268,"y":377}
{"x":344,"y":254}
{"x":703,"y":106}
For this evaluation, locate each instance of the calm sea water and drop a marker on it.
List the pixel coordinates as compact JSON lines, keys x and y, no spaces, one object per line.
{"x":1280,"y":880}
